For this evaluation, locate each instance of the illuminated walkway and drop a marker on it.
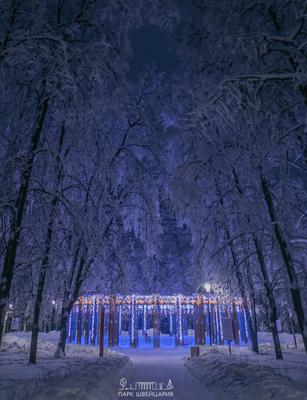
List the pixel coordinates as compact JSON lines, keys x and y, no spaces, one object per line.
{"x":160,"y":365}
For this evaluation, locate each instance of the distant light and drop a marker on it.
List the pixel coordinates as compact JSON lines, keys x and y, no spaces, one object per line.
{"x":11,"y":306}
{"x":53,"y":302}
{"x":207,"y":287}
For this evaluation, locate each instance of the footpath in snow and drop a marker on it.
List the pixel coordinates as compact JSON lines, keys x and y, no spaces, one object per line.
{"x":160,"y":366}
{"x":101,"y":381}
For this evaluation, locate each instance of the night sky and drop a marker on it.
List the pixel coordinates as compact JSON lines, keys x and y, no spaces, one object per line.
{"x":152,"y":46}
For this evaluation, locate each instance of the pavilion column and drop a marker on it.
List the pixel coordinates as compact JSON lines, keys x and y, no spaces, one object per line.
{"x":94,"y":323}
{"x":178,"y":322}
{"x":213,"y":324}
{"x":113,"y":323}
{"x":218,"y":322}
{"x":156,"y":338}
{"x":199,"y":322}
{"x":116,"y":332}
{"x":235,"y":323}
{"x":75,"y":322}
{"x":209,"y":323}
{"x":101,"y":330}
{"x":119,"y":319}
{"x":201,"y":312}
{"x":71,"y":325}
{"x":133,"y":330}
{"x":144,"y":319}
{"x":79,"y":322}
{"x":245,"y":324}
{"x":136,"y":327}
{"x":86,"y":321}
{"x":197,"y":327}
{"x":110,"y":325}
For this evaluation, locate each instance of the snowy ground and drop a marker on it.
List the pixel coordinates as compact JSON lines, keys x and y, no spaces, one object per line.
{"x":19,"y":381}
{"x":245,"y":375}
{"x":215,"y":375}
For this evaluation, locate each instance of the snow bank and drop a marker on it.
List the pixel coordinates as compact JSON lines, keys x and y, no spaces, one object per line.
{"x":96,"y":381}
{"x":20,"y":381}
{"x":286,"y":341}
{"x":245,"y":375}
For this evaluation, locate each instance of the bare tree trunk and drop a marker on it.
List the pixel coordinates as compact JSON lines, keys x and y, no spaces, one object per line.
{"x":13,"y":241}
{"x":60,"y":351}
{"x":287,"y":259}
{"x":271,"y":299}
{"x":69,"y":300}
{"x":252,"y":300}
{"x":72,"y":293}
{"x":251,"y":320}
{"x":266,"y":280}
{"x":45,"y":261}
{"x":8,"y":34}
{"x":39,"y":293}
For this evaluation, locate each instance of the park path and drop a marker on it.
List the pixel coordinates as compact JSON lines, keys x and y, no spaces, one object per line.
{"x":102,"y":382}
{"x":160,"y":365}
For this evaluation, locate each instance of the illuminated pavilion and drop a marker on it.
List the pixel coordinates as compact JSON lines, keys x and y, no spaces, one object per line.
{"x":155,"y":321}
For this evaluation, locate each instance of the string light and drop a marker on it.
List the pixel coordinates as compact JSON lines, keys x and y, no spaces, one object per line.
{"x":120,"y":318}
{"x":69,"y":325}
{"x":93,"y":319}
{"x":245,"y":323}
{"x":180,"y":319}
{"x":132,"y":318}
{"x":217,"y":322}
{"x":144,"y":316}
{"x":180,"y":307}
{"x":221,"y":306}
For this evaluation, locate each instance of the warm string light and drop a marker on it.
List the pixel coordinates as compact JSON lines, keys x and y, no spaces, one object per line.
{"x":188,"y":308}
{"x":153,"y":299}
{"x":167,"y":308}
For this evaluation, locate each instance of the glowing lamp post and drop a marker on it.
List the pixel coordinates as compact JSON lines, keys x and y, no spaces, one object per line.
{"x":207,"y":287}
{"x":53,"y":315}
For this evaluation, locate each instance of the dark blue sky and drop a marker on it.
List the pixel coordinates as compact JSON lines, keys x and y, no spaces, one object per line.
{"x":154,"y":47}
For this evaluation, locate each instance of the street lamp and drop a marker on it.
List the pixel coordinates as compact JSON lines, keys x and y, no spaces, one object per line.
{"x":53,"y":315}
{"x":207,"y":287}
